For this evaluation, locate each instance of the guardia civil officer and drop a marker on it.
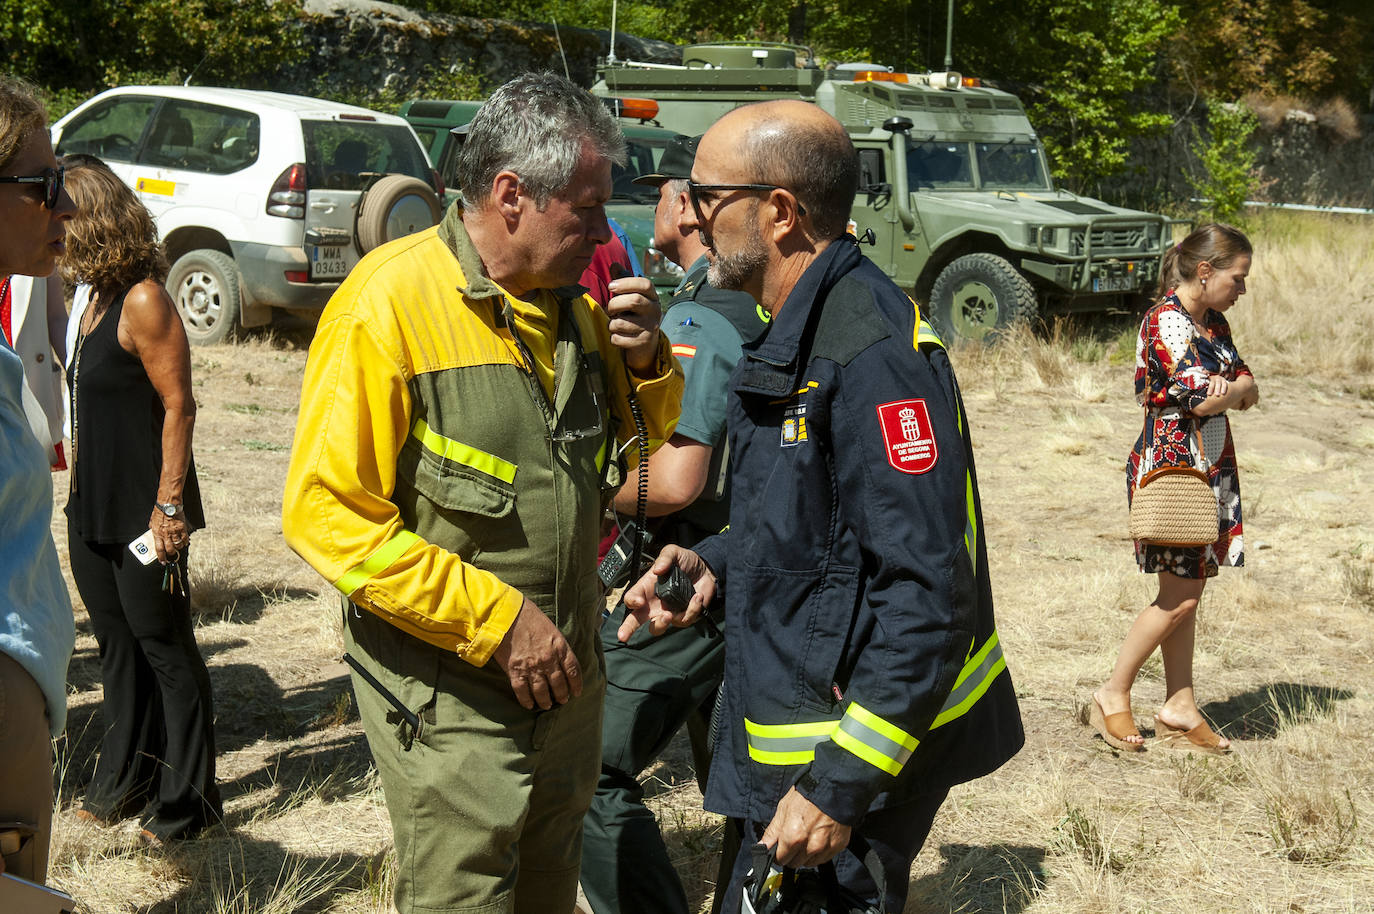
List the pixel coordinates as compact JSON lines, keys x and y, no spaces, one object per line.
{"x":864,"y":675}
{"x":462,"y":407}
{"x":654,"y":685}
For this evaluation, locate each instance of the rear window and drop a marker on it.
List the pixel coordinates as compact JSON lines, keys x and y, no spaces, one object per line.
{"x":345,"y":155}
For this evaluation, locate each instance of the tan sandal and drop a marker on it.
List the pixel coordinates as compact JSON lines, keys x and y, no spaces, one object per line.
{"x":1201,"y":738}
{"x":1114,"y":728}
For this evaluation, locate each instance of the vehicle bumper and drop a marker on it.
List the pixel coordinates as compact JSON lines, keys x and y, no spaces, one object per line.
{"x":263,"y":268}
{"x":1113,"y":276}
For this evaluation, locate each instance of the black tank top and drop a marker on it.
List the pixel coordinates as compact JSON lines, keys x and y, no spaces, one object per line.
{"x":117,"y":431}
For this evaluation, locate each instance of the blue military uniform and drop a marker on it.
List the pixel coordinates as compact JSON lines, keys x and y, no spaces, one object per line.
{"x":863,"y":665}
{"x":655,"y":685}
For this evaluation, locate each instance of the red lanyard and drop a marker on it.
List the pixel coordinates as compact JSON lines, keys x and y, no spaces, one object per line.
{"x":5,"y":312}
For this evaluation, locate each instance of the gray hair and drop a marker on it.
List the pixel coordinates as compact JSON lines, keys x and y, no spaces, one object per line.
{"x":676,"y":186}
{"x":817,"y":162}
{"x":535,"y":126}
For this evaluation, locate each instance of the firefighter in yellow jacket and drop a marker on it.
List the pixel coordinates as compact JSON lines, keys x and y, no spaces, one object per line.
{"x":461,"y":419}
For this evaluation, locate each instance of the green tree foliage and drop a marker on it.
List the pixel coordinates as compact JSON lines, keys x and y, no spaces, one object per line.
{"x":90,"y":44}
{"x":1227,"y":159}
{"x":1308,"y":48}
{"x":1080,"y":67}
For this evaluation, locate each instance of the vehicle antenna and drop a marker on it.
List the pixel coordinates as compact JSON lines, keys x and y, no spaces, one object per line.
{"x":560,"y":49}
{"x":610,"y":58}
{"x":196,"y":68}
{"x":949,"y":38}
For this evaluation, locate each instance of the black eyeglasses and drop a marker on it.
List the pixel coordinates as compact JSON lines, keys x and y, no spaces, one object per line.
{"x":52,"y":180}
{"x":695,"y":190}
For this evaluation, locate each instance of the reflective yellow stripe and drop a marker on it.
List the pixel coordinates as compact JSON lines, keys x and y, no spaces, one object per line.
{"x":465,"y":454}
{"x":603,"y":451}
{"x":786,"y":744}
{"x":880,"y":743}
{"x":375,"y":563}
{"x":926,"y":334}
{"x":971,"y":530}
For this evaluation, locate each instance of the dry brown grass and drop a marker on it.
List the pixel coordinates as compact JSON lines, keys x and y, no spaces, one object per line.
{"x":1283,"y":652}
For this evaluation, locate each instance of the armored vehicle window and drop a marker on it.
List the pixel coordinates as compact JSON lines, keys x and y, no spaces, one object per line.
{"x":872,"y":175}
{"x":1011,"y":166}
{"x":641,"y":158}
{"x":938,"y":165}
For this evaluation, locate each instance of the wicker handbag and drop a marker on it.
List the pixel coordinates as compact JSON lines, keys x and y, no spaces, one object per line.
{"x":1175,"y":506}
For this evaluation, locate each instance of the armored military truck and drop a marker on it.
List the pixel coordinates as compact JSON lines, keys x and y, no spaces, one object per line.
{"x":955,"y":194}
{"x":631,"y":205}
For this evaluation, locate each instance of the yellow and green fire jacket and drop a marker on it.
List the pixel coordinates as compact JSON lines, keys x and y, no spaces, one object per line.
{"x":434,"y":480}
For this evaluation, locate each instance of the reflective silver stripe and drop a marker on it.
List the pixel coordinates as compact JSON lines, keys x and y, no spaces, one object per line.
{"x":786,"y":744}
{"x":858,"y":732}
{"x":876,"y":741}
{"x":973,"y":681}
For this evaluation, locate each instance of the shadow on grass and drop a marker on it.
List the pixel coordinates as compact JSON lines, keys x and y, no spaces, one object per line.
{"x":83,"y":671}
{"x":328,"y":771}
{"x":998,"y":878}
{"x":249,"y":706}
{"x":238,"y":875}
{"x":242,"y":604}
{"x":1262,"y":712}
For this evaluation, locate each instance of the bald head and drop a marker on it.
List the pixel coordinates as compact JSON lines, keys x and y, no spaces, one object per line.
{"x":798,"y":146}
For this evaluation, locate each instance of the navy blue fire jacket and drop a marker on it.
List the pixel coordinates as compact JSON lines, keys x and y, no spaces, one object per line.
{"x":862,"y":657}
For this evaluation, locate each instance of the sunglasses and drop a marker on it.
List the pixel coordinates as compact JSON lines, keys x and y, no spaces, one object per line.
{"x":52,"y":180}
{"x":695,"y":191}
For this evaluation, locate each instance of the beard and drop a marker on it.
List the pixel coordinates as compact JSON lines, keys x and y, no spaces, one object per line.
{"x":733,"y":271}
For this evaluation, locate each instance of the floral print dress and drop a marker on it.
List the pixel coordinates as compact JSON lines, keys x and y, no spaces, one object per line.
{"x":1173,"y":362}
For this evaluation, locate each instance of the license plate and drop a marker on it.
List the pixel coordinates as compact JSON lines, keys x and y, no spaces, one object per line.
{"x":1113,"y":283}
{"x":330,"y":262}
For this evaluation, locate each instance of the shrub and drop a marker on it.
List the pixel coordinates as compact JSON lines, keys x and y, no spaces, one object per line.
{"x":1227,"y":160}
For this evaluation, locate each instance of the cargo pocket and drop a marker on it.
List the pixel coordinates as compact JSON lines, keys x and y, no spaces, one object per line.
{"x":448,"y":502}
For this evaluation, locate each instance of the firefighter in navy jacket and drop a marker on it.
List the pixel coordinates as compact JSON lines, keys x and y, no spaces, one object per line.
{"x":864,"y":675}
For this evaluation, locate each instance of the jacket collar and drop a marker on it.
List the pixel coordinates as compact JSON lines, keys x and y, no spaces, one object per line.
{"x":771,"y":363}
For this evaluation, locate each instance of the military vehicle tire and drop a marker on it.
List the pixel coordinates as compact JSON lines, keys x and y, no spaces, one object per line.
{"x":980,"y":294}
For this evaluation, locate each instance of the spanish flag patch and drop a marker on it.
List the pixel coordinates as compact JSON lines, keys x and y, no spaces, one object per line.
{"x":683,"y":351}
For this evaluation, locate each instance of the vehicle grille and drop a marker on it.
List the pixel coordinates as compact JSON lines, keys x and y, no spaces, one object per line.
{"x":1113,"y":239}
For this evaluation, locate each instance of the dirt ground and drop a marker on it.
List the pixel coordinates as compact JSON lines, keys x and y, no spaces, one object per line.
{"x":1283,"y":667}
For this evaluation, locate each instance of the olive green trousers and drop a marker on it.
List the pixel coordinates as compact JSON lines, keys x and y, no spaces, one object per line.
{"x":486,"y":801}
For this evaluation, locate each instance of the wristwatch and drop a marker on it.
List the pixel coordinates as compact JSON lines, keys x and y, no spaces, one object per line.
{"x":169,"y":510}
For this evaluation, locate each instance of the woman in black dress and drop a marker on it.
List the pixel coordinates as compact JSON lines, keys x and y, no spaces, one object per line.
{"x":132,"y":413}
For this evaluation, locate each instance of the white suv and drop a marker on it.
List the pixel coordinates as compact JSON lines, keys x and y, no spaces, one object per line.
{"x":263,"y":200}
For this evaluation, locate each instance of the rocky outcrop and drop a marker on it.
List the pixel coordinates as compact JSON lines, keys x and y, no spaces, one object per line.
{"x":1300,"y":161}
{"x":374,"y":44}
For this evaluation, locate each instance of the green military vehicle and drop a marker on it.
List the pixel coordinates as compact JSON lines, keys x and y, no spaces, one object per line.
{"x":631,"y":205}
{"x":955,"y":194}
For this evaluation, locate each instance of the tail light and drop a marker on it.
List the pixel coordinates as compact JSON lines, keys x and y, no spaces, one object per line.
{"x":438,"y":182}
{"x":287,"y":196}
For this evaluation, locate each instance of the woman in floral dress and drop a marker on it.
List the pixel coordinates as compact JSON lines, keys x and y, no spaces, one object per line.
{"x":1188,"y":374}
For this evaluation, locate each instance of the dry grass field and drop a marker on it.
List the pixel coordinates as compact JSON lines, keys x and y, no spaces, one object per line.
{"x":1283,"y":661}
